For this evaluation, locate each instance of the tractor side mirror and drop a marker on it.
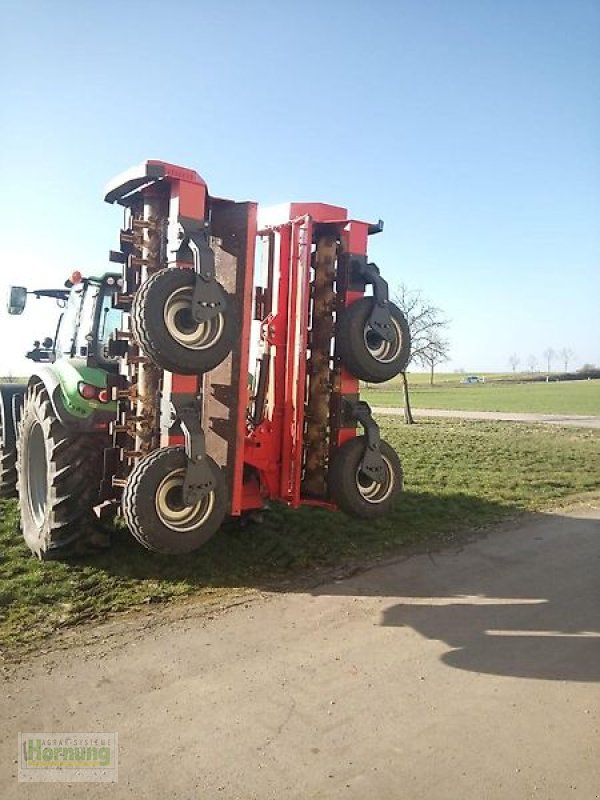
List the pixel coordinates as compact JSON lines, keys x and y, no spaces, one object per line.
{"x":17,"y":299}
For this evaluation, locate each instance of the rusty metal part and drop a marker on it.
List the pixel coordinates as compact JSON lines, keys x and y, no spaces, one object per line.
{"x":125,"y":394}
{"x":136,"y":429}
{"x":148,"y":374}
{"x":131,"y":454}
{"x":143,"y":224}
{"x":134,"y":261}
{"x":316,"y":437}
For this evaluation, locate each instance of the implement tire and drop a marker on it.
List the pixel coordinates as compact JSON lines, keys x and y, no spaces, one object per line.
{"x":356,"y":494}
{"x":163,"y":325}
{"x":59,"y":476}
{"x":363,"y":352}
{"x":153,"y":506}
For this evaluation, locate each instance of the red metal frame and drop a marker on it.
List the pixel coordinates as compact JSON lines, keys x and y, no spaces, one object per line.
{"x":354,"y":242}
{"x":186,"y":194}
{"x":241,"y":492}
{"x":188,"y":199}
{"x":275,"y":447}
{"x":268,"y":458}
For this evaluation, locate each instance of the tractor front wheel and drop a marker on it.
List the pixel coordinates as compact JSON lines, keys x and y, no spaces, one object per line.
{"x":356,"y":493}
{"x":154,"y":509}
{"x":164,"y":326}
{"x":59,"y":476}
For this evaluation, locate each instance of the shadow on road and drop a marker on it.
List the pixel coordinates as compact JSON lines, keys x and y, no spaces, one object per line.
{"x":523,"y":603}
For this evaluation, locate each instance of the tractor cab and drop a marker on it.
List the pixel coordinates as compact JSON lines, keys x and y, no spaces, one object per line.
{"x":86,"y":326}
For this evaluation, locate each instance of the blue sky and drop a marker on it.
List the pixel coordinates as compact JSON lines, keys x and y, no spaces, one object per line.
{"x":471,"y":127}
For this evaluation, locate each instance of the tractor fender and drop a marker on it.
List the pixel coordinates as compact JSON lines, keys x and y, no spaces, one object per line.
{"x":94,"y":423}
{"x":11,"y":401}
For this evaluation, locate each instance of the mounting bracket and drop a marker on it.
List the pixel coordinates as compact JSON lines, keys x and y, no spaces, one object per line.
{"x":209,"y":298}
{"x":380,"y":320}
{"x":372,"y":464}
{"x":198,"y":480}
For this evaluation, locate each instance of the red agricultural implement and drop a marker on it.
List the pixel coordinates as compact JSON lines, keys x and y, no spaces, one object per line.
{"x":206,"y":289}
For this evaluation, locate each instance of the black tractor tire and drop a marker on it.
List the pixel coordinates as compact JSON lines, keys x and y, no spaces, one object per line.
{"x":8,"y":457}
{"x":153,"y":506}
{"x":356,"y":494}
{"x":163,"y":325}
{"x":59,"y":476}
{"x":11,"y":399}
{"x":8,"y":471}
{"x":363,"y":352}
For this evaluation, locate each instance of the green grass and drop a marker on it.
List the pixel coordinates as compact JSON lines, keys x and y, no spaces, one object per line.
{"x":564,"y":397}
{"x":459,"y":475}
{"x":454,"y":378}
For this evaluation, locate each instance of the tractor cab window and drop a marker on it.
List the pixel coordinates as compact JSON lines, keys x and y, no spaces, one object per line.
{"x":88,"y":322}
{"x":85,"y":326}
{"x":110,"y":320}
{"x":67,"y":327}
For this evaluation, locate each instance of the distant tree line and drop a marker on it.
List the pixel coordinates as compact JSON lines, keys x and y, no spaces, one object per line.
{"x":552,"y":361}
{"x":549,"y":357}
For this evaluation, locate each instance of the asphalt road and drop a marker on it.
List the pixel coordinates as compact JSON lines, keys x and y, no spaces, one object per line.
{"x":570,"y":420}
{"x":469,"y":674}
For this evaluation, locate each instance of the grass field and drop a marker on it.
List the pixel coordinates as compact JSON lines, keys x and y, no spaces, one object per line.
{"x":564,"y":397}
{"x":459,"y":475}
{"x":454,"y":378}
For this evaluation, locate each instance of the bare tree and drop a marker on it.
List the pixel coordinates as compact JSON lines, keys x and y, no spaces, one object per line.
{"x":532,"y":363}
{"x":408,"y":415}
{"x":427,"y":324}
{"x":437,"y":352}
{"x":549,"y":355}
{"x":514,"y":361}
{"x":566,"y":355}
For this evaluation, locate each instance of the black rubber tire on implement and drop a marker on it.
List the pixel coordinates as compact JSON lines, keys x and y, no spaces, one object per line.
{"x":163,"y":325}
{"x":59,"y":476}
{"x":153,"y":508}
{"x":365,"y":354}
{"x":353,"y":492}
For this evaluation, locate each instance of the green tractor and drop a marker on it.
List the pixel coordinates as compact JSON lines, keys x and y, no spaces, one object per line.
{"x":54,"y":429}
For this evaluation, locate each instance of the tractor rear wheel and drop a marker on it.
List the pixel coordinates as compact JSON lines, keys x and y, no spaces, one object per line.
{"x":153,"y":504}
{"x":8,"y":461}
{"x":58,"y":480}
{"x":363,"y":351}
{"x":353,"y":491}
{"x":11,"y":397}
{"x":165,"y":328}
